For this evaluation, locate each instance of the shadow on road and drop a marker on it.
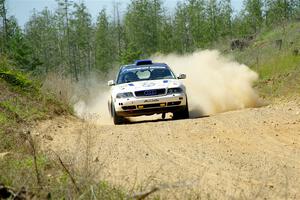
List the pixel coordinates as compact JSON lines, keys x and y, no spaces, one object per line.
{"x":147,"y":119}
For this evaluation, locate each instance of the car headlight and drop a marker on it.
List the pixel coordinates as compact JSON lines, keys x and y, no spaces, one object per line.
{"x":175,"y":90}
{"x":124,"y":95}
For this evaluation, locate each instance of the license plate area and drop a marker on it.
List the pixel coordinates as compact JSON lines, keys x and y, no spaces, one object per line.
{"x":151,"y":100}
{"x":153,"y":105}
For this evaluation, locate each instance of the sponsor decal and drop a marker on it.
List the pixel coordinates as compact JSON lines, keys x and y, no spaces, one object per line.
{"x":143,"y":68}
{"x":148,"y":84}
{"x":151,"y":100}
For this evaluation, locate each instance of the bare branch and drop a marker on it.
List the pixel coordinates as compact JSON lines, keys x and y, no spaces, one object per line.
{"x":33,"y":153}
{"x":68,"y":172}
{"x":143,"y":195}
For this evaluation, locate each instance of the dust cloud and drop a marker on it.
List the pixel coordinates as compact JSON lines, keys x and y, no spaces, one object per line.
{"x":214,"y":83}
{"x":90,"y":99}
{"x":94,"y":109}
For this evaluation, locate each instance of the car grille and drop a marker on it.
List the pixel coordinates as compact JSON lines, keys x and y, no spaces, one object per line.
{"x":147,"y":93}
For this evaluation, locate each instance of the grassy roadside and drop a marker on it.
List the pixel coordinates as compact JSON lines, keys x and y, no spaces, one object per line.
{"x":22,"y":104}
{"x":277,"y":65}
{"x":280,"y":77}
{"x":22,"y":166}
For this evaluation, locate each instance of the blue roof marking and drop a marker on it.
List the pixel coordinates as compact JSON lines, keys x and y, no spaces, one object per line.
{"x":130,"y":84}
{"x":132,"y":68}
{"x":143,"y":62}
{"x":165,"y":81}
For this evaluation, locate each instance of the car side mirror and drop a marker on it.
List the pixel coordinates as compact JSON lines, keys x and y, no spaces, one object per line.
{"x":181,"y":76}
{"x":111,"y":83}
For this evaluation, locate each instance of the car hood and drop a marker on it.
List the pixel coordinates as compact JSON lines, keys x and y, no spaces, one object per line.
{"x":147,"y":85}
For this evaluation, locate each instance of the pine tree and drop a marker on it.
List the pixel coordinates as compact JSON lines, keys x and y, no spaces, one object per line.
{"x":80,"y":39}
{"x":105,"y":45}
{"x":182,"y":36}
{"x":62,"y":18}
{"x":67,"y":42}
{"x":118,"y":29}
{"x":212,"y":13}
{"x":41,"y":36}
{"x":4,"y":25}
{"x":254,"y":14}
{"x":279,"y":11}
{"x":225,"y":16}
{"x":166,"y":37}
{"x":16,"y":46}
{"x":142,"y":24}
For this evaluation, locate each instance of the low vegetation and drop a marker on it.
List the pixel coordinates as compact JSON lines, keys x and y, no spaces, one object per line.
{"x":274,"y":54}
{"x":22,"y":103}
{"x":22,"y":165}
{"x":68,"y":44}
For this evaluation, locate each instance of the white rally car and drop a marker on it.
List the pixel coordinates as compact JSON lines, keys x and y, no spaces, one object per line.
{"x":147,"y":88}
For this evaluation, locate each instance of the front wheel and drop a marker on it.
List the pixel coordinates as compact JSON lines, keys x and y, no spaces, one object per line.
{"x":183,"y":114}
{"x":116,"y":119}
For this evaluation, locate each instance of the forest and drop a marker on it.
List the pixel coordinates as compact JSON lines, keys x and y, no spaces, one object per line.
{"x":48,"y":153}
{"x":66,"y":41}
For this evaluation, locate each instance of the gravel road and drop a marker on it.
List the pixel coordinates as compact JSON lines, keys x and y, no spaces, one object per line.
{"x":246,"y":154}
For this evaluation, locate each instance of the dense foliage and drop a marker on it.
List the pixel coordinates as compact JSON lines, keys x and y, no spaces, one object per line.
{"x":66,"y":41}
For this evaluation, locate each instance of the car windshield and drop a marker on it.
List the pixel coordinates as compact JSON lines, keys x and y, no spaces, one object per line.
{"x":144,"y":73}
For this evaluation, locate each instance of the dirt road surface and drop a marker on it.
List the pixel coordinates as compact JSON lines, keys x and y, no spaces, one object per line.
{"x":246,"y":154}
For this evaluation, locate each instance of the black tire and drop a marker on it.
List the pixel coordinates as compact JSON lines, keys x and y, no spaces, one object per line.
{"x":116,"y":119}
{"x":109,"y":108}
{"x":183,"y":114}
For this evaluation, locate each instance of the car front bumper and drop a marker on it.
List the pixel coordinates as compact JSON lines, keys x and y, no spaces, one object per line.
{"x":127,"y":107}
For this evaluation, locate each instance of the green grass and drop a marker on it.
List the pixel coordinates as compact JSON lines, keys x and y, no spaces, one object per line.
{"x":278,"y":69}
{"x":22,"y":103}
{"x":18,"y":170}
{"x":17,"y":165}
{"x":279,"y":65}
{"x":3,"y":119}
{"x":15,"y":78}
{"x":22,"y":111}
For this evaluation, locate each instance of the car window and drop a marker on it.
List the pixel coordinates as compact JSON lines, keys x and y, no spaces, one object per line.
{"x":144,"y":73}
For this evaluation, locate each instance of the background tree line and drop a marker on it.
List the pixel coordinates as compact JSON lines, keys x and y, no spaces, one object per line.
{"x":66,"y":41}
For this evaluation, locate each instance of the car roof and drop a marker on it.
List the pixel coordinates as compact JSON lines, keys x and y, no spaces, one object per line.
{"x":141,"y":63}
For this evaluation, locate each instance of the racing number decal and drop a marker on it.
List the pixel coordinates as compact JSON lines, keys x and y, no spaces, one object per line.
{"x":148,"y":84}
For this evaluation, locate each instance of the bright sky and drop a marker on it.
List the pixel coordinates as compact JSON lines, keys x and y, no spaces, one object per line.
{"x":23,"y":9}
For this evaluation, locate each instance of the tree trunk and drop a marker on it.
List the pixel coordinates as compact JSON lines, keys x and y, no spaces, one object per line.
{"x":4,"y":24}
